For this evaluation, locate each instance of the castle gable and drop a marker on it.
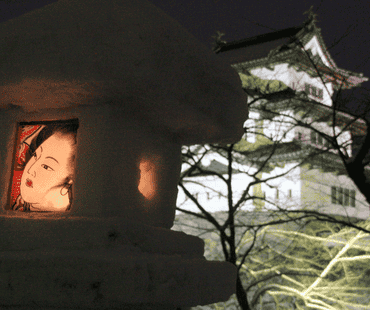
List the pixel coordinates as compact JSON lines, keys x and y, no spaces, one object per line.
{"x":302,"y":48}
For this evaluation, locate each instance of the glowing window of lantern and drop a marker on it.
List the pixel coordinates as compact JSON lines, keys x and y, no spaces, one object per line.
{"x":148,"y":178}
{"x":43,"y":166}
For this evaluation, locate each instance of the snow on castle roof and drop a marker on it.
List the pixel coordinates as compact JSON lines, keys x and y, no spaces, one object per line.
{"x":291,"y":45}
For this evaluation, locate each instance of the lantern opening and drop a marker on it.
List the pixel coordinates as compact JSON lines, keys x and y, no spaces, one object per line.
{"x":148,"y":178}
{"x":43,"y":169}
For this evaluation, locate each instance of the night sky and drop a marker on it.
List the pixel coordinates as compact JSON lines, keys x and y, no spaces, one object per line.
{"x":345,"y":25}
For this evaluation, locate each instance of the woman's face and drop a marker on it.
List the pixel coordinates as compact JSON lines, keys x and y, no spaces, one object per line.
{"x":47,"y":169}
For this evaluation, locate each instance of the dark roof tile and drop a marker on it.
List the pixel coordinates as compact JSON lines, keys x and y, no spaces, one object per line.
{"x":287,"y":33}
{"x":252,"y":52}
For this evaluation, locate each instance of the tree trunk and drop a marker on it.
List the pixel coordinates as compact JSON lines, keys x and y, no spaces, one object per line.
{"x":241,"y":295}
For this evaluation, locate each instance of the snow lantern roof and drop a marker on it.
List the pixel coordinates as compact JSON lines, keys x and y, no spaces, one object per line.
{"x":124,"y":53}
{"x":291,"y":45}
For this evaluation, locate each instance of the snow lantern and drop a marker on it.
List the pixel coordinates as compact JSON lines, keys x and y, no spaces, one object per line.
{"x":96,"y":99}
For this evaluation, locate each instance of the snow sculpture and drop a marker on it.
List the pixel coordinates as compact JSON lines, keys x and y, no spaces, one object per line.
{"x":138,"y":86}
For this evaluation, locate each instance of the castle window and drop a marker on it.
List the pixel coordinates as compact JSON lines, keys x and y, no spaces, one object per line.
{"x":353,"y":198}
{"x":346,"y":197}
{"x":313,"y":91}
{"x":343,"y":196}
{"x":320,"y":139}
{"x":313,"y":137}
{"x":307,"y":88}
{"x":340,"y":195}
{"x":327,"y":143}
{"x":333,"y":195}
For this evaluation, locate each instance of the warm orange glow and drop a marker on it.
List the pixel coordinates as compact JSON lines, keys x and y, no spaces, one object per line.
{"x":147,"y":185}
{"x":33,"y":94}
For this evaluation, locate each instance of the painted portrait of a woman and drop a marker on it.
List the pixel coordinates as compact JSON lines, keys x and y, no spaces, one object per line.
{"x":48,"y":169}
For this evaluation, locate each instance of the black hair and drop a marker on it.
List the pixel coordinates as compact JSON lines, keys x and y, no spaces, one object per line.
{"x":65,"y":129}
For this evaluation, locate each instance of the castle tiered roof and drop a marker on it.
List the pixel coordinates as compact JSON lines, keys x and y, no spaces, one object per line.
{"x":289,"y":46}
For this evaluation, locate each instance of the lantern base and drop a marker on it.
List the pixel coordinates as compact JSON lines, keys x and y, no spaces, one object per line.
{"x":121,"y":265}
